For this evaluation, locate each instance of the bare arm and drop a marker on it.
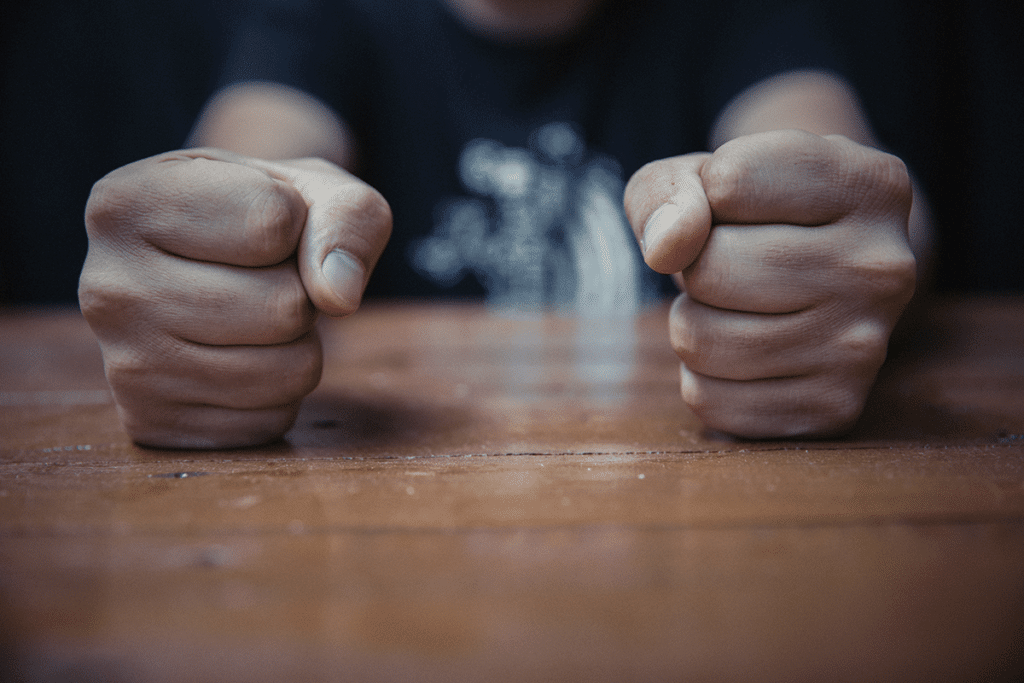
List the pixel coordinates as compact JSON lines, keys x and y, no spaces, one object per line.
{"x":272,"y":121}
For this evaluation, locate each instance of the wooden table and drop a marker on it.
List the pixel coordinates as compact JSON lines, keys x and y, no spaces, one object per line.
{"x":473,"y":496}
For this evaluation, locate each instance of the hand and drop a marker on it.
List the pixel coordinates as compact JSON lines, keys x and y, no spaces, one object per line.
{"x":792,"y":253}
{"x":204,"y":274}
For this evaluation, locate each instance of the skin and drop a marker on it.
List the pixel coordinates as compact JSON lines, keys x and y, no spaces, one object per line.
{"x":793,"y":249}
{"x":204,"y":274}
{"x":207,"y":267}
{"x":793,"y":256}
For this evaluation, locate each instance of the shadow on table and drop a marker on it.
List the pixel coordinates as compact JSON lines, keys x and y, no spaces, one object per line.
{"x":957,"y":377}
{"x":368,"y":425}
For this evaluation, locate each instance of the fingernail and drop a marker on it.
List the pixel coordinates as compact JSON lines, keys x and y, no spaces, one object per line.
{"x":658,"y":226}
{"x":345,"y":275}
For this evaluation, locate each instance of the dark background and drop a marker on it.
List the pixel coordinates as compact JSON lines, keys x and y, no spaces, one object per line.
{"x":90,"y":86}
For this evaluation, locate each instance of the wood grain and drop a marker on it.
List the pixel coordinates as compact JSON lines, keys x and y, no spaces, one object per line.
{"x":471,"y":495}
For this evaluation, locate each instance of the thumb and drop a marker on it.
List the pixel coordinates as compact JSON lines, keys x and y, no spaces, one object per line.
{"x":347,"y":226}
{"x":670,"y":214}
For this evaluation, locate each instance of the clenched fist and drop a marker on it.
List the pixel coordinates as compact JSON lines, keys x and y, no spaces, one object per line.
{"x":792,"y":253}
{"x":204,"y":275}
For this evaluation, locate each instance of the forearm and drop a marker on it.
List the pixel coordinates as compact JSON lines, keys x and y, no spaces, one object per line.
{"x":272,"y":121}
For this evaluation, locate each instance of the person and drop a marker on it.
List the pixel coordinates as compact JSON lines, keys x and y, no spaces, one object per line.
{"x":491,"y":138}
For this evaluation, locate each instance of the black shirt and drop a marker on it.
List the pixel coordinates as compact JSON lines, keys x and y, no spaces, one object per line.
{"x":504,"y":161}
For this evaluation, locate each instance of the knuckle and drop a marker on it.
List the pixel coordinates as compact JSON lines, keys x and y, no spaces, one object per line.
{"x":289,"y":382}
{"x":894,"y":175}
{"x":98,"y":305}
{"x":366,"y":205}
{"x":284,"y":381}
{"x":888,"y":271}
{"x":830,"y":403}
{"x":725,"y":176}
{"x":290,"y":311}
{"x":682,"y":332}
{"x":94,"y":295}
{"x":272,"y":220}
{"x":109,"y":203}
{"x":884,"y":182}
{"x":902,"y":278}
{"x":697,"y":396}
{"x":863,"y":346}
{"x":129,"y":370}
{"x":694,"y":351}
{"x":102,"y":294}
{"x":308,"y":368}
{"x":681,"y":336}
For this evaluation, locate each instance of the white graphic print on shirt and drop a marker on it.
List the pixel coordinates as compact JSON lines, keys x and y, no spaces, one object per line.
{"x":544,"y":227}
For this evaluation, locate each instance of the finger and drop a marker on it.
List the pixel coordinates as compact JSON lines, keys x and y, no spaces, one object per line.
{"x":670,"y":215}
{"x":234,"y":377}
{"x":228,"y":306}
{"x":806,"y":406}
{"x":199,"y":204}
{"x":800,"y":178}
{"x":205,"y":427}
{"x":347,"y":227}
{"x":778,"y":268}
{"x":765,"y":269}
{"x":194,"y":301}
{"x":743,"y":346}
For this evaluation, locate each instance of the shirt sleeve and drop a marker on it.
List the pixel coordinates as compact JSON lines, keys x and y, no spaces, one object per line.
{"x":760,"y":39}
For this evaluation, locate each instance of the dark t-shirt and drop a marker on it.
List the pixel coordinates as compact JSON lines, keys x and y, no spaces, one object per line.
{"x":504,"y":162}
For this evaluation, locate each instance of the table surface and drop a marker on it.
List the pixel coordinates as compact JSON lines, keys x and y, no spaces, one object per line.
{"x":471,"y":495}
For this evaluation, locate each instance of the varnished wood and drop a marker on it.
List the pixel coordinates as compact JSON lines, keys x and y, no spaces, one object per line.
{"x":476,"y":496}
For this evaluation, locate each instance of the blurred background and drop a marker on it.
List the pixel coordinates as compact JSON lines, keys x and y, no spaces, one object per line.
{"x":88,"y":87}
